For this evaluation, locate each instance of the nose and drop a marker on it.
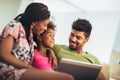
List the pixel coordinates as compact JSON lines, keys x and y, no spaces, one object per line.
{"x":73,"y":38}
{"x":45,"y":28}
{"x":53,"y":39}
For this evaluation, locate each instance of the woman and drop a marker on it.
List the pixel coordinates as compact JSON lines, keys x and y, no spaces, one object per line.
{"x":16,"y":46}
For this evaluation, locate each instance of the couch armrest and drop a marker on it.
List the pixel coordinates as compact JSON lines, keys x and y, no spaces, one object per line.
{"x":106,"y":71}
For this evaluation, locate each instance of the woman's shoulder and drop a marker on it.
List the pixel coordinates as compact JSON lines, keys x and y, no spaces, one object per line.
{"x":13,"y":23}
{"x":13,"y":28}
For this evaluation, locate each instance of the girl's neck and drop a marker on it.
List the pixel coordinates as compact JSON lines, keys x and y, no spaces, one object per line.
{"x":42,"y":50}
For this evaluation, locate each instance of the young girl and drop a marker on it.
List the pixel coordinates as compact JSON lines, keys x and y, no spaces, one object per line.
{"x":43,"y":58}
{"x":16,"y":46}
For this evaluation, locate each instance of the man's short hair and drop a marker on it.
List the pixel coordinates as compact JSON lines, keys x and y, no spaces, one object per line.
{"x":82,"y":25}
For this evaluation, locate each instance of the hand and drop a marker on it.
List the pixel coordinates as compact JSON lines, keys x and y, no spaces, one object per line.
{"x":101,"y":76}
{"x":53,"y":58}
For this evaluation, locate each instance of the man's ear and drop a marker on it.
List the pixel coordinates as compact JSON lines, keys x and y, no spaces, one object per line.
{"x":87,"y":39}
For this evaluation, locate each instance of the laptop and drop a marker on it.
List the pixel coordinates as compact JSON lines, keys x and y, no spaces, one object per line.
{"x":79,"y":69}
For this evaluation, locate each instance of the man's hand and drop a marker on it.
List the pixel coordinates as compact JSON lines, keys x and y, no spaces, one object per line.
{"x":101,"y":76}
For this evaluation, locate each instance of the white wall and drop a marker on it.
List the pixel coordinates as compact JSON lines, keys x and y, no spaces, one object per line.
{"x":23,"y":5}
{"x":9,"y":10}
{"x":116,"y":46}
{"x":105,"y":25}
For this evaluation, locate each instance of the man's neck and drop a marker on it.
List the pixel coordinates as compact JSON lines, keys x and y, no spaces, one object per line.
{"x":81,"y":52}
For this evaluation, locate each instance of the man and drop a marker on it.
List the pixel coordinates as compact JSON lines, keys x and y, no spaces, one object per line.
{"x":80,"y":34}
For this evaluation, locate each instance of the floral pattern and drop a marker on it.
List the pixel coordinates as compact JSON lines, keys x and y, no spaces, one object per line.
{"x":21,"y":50}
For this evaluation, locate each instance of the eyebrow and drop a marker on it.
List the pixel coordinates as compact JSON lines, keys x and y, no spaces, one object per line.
{"x":50,"y":32}
{"x":76,"y":35}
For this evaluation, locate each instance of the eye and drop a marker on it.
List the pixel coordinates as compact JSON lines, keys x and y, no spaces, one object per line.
{"x":78,"y":37}
{"x":45,"y":25}
{"x":51,"y":35}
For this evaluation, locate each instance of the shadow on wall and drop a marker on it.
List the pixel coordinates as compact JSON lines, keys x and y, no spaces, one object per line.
{"x":115,"y":65}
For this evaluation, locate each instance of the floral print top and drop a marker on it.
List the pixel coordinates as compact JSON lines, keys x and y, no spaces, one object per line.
{"x":21,"y":49}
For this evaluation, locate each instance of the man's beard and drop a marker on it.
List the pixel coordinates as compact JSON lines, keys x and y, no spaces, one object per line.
{"x":73,"y":47}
